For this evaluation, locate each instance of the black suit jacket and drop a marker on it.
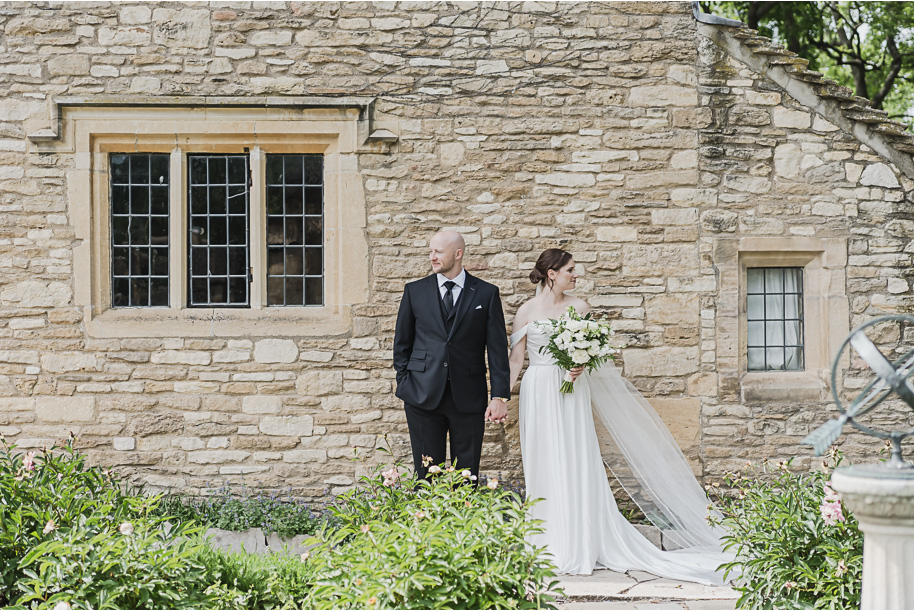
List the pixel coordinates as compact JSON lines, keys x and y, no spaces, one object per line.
{"x":424,"y":352}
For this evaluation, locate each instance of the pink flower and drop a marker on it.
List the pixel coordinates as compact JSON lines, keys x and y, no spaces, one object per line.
{"x":830,"y":494}
{"x":365,"y":528}
{"x":831,"y":512}
{"x":28,"y":462}
{"x":390,"y":476}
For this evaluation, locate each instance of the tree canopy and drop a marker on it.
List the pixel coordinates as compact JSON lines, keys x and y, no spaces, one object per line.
{"x":867,"y":46}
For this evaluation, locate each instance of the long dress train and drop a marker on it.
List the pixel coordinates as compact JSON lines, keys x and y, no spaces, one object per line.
{"x":563,"y":467}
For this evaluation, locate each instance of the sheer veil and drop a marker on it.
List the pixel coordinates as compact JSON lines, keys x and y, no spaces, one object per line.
{"x":648,"y":463}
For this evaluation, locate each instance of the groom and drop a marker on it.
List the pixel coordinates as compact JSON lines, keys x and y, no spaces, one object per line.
{"x":446,"y":322}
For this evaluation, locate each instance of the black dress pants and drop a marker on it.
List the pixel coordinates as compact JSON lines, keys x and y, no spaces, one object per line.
{"x":428,"y":431}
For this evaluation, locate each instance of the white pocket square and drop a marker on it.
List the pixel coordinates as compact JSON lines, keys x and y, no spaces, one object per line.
{"x":479,"y":307}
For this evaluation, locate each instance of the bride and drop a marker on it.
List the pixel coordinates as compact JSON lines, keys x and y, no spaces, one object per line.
{"x":563,"y":464}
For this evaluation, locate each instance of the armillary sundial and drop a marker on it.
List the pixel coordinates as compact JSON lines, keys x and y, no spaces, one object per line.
{"x":891,"y":377}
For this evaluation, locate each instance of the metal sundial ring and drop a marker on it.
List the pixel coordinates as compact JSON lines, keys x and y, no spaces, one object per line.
{"x":892,"y":376}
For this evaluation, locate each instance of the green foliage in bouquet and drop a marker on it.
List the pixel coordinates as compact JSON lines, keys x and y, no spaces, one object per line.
{"x":436,"y":544}
{"x":796,"y":544}
{"x":576,"y":341}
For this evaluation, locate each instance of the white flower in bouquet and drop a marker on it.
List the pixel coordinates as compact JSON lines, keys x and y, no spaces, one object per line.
{"x":577,"y":341}
{"x":580,"y":356}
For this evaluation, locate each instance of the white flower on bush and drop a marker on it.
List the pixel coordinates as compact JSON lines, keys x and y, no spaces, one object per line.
{"x":434,"y":469}
{"x":492,"y":483}
{"x":49,"y":527}
{"x":126,"y":529}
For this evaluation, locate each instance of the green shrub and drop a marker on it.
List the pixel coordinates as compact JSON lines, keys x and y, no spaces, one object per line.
{"x":224,"y":509}
{"x":795,"y":542}
{"x":429,"y":545}
{"x":66,"y":538}
{"x":239,"y":581}
{"x":140,"y":565}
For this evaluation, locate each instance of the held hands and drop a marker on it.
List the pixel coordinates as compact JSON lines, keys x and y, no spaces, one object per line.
{"x":497,"y":411}
{"x":575,"y":372}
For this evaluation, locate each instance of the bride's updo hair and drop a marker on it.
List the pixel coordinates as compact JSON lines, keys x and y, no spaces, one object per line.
{"x":550,"y":259}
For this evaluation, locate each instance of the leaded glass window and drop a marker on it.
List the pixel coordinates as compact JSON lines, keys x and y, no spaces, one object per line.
{"x":295,"y":230}
{"x":774,"y":299}
{"x":139,"y":229}
{"x":219,"y":203}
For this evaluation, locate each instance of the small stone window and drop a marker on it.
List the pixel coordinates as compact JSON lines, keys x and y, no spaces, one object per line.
{"x":774,"y":317}
{"x":782,"y":314}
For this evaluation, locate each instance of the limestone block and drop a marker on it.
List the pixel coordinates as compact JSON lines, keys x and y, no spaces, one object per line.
{"x":749,"y":115}
{"x":821,"y":125}
{"x":662,"y":95}
{"x":188,"y":444}
{"x":231,"y":356}
{"x":718,"y":220}
{"x":68,"y":362}
{"x":659,"y":260}
{"x":16,"y":404}
{"x":703,"y":384}
{"x":261,"y":404}
{"x":688,"y":196}
{"x":184,"y":357}
{"x":660,"y":361}
{"x":316,"y":356}
{"x":602,"y":157}
{"x":287,"y":425}
{"x":491,"y":67}
{"x":151,"y":424}
{"x":788,"y":118}
{"x":674,"y":216}
{"x":751,"y":184}
{"x":252,"y":541}
{"x":30,"y":294}
{"x":217,"y":456}
{"x":13,"y":109}
{"x":452,"y":153}
{"x":69,"y":65}
{"x":678,"y":309}
{"x":123,"y":36}
{"x":787,"y":160}
{"x":345,"y":403}
{"x":317,"y":383}
{"x":390,"y":23}
{"x":142,"y":84}
{"x":305,"y":456}
{"x":182,"y":27}
{"x":124,"y":444}
{"x":25,"y":357}
{"x":366,"y":417}
{"x":879,"y":175}
{"x":765,"y":98}
{"x":273,"y":38}
{"x":131,"y":15}
{"x":274,"y":350}
{"x":567,"y":179}
{"x":63,"y":409}
{"x":853,"y":172}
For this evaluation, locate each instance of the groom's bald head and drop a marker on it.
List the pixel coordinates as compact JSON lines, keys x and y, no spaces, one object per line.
{"x":445,"y":251}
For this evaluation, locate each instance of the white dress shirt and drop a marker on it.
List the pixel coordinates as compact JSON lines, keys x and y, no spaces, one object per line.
{"x":460,"y":279}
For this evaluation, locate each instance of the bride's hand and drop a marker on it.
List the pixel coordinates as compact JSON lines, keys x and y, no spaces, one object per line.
{"x":575,"y":372}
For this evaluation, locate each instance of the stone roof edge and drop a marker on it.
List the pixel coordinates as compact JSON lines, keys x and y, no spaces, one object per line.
{"x":834,"y":102}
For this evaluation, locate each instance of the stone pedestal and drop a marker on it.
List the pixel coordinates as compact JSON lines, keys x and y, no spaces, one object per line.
{"x":882,"y":499}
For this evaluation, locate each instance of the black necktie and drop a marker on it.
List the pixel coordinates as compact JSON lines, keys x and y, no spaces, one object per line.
{"x":449,"y":297}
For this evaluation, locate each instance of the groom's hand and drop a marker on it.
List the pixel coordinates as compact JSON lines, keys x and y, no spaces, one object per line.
{"x":497,"y":411}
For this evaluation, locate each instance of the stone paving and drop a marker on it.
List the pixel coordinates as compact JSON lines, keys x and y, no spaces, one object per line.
{"x":634,"y":590}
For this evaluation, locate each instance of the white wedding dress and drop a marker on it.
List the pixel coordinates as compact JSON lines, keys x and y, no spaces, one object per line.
{"x":563,"y":466}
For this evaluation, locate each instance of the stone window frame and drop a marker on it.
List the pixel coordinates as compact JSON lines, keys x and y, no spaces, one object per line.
{"x":92,"y":133}
{"x":825,"y":306}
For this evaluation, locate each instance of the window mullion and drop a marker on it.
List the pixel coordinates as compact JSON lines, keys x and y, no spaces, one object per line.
{"x":258,"y":216}
{"x":177,"y":229}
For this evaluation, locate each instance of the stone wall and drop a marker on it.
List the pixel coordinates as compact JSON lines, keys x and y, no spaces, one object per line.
{"x":614,"y":130}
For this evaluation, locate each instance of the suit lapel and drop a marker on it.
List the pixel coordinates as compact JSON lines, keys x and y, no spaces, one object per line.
{"x":463,"y":302}
{"x":434,"y":299}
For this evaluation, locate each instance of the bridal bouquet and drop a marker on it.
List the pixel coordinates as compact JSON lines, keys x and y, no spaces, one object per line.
{"x":578,"y":341}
